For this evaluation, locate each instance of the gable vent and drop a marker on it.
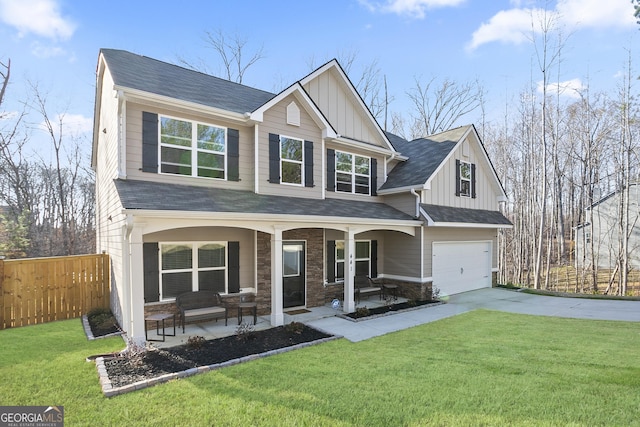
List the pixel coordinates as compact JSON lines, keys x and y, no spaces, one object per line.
{"x":293,"y":114}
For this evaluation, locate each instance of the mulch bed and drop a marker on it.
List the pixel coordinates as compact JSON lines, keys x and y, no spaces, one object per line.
{"x":376,"y":311}
{"x":156,"y":362}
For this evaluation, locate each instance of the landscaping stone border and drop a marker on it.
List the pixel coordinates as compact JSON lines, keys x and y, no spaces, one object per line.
{"x":109,"y":391}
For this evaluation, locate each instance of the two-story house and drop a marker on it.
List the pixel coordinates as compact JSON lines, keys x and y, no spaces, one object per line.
{"x":202,"y":183}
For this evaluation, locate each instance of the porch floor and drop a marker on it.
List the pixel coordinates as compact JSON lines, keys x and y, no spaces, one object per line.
{"x":217,"y":329}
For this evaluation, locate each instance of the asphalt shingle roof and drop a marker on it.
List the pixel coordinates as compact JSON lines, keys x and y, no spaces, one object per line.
{"x":471,"y":216}
{"x":425,"y":155}
{"x":151,"y":75}
{"x":146,"y":195}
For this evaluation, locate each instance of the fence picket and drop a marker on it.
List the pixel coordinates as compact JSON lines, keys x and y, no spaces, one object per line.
{"x":41,"y":290}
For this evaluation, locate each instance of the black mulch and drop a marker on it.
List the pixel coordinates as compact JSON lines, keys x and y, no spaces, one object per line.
{"x":123,"y":371}
{"x":360,"y":313}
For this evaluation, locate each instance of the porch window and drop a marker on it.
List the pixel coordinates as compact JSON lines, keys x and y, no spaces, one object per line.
{"x":352,"y":173}
{"x":192,"y":148}
{"x":363,"y":259}
{"x":291,"y":160}
{"x":186,"y":267}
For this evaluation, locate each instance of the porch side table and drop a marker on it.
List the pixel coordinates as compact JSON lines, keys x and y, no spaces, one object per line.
{"x":160,"y":317}
{"x":254,"y":308}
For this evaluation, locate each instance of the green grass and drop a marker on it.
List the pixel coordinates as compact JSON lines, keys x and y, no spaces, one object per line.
{"x":479,"y":368}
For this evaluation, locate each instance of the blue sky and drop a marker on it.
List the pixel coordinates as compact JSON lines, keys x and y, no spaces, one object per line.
{"x":55,"y":43}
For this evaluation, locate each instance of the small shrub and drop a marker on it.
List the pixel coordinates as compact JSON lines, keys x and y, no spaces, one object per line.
{"x":435,"y":292}
{"x":134,"y":352}
{"x":245,"y":331}
{"x":362,"y":312}
{"x":412,"y":303}
{"x":195,"y":342}
{"x":294,"y":328}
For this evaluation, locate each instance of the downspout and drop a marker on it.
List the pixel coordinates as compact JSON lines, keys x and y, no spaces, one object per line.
{"x":126,"y":268}
{"x":417,"y":196}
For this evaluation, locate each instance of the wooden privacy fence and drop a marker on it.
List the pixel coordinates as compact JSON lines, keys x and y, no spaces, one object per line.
{"x":39,"y":290}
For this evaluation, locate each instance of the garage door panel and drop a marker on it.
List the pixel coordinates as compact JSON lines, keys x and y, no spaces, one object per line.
{"x":461,"y":266}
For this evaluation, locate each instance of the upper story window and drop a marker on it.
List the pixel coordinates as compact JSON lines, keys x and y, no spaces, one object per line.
{"x":465,"y":179}
{"x":192,"y":148}
{"x":353,"y":173}
{"x":291,"y":160}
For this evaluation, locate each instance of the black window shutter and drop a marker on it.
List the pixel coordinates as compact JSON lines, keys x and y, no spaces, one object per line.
{"x":274,"y":158}
{"x":473,"y":180}
{"x":233,"y":269}
{"x":149,"y":142}
{"x":331,"y":170}
{"x":151,"y":267}
{"x":308,"y":163}
{"x":233,"y":155}
{"x":374,"y":177}
{"x":457,"y":177}
{"x":331,"y":261}
{"x":374,"y":258}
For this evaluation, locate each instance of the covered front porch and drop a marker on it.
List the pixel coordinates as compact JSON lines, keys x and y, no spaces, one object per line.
{"x":217,"y":329}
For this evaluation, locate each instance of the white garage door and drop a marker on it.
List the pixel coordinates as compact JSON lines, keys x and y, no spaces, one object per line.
{"x":461,"y":266}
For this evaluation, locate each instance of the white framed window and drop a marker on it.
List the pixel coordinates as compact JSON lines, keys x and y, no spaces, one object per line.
{"x":465,"y":179}
{"x":353,"y":173}
{"x":363,"y":259}
{"x":192,"y":266}
{"x":192,"y":148}
{"x":291,"y":160}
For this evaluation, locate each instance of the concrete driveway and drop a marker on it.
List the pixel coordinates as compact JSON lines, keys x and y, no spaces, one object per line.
{"x":492,"y":299}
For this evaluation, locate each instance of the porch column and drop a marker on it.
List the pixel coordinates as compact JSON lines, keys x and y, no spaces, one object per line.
{"x":349,"y":304}
{"x":277,"y":315}
{"x":136,"y":287}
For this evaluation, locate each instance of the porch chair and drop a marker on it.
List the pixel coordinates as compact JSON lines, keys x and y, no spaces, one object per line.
{"x":364,"y":286}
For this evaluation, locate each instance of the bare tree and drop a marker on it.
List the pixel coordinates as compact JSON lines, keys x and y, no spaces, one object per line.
{"x":231,"y":51}
{"x":438,"y":108}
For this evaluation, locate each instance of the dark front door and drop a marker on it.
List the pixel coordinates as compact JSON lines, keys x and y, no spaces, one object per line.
{"x":293,"y":274}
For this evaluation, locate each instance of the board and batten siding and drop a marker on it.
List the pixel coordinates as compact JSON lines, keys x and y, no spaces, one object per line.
{"x":452,"y":234}
{"x":443,"y":185}
{"x":335,"y":100}
{"x":216,"y":234}
{"x":134,"y":150}
{"x":275,"y":122}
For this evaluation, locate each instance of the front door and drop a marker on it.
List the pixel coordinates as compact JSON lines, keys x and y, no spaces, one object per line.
{"x":293,"y":274}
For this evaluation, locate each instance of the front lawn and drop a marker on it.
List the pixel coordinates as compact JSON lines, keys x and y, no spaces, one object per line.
{"x":479,"y":368}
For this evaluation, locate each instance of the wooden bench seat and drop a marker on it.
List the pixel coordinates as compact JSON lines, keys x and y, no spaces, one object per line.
{"x":201,"y":305}
{"x":364,"y":286}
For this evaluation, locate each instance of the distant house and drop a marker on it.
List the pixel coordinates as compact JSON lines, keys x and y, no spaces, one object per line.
{"x":598,"y":240}
{"x":202,"y":183}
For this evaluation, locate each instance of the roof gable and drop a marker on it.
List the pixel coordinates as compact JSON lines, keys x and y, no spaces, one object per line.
{"x":332,"y":91}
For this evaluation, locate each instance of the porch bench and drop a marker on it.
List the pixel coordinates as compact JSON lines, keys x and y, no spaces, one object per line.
{"x":364,"y":286}
{"x":201,"y":305}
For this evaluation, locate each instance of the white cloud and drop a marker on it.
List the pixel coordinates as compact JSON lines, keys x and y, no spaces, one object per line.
{"x":512,"y":26}
{"x":40,"y":17}
{"x":44,"y":51}
{"x":570,"y":88}
{"x":412,"y":8}
{"x":507,"y":26}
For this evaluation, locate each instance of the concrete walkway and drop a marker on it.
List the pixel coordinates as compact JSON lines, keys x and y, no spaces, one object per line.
{"x":492,"y":299}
